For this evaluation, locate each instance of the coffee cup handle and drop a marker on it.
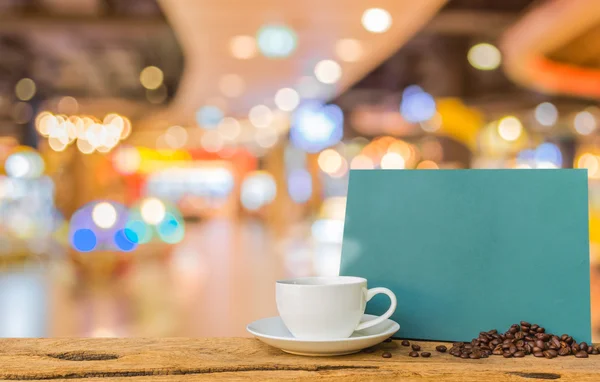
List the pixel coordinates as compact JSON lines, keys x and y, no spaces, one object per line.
{"x":372,"y":292}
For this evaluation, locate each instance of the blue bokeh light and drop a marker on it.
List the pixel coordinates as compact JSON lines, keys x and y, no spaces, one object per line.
{"x":122,"y":240}
{"x":208,"y":117}
{"x":299,"y":184}
{"x":316,"y":126}
{"x":417,"y":105}
{"x":550,"y":153}
{"x":276,"y":41}
{"x":170,"y":230}
{"x":138,"y":232}
{"x":84,"y":240}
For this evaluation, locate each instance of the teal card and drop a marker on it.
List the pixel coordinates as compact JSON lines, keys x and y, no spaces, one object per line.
{"x":472,"y":250}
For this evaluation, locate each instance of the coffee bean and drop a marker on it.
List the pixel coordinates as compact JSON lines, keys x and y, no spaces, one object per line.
{"x":564,"y":351}
{"x":493,"y":331}
{"x":540,"y":330}
{"x":416,"y":347}
{"x":425,"y":354}
{"x":413,"y":354}
{"x":534,"y":327}
{"x":552,"y":352}
{"x":388,"y":340}
{"x":575,"y":347}
{"x":589,"y":350}
{"x":405,"y":343}
{"x":595,"y":351}
{"x":581,"y":354}
{"x":509,"y":335}
{"x":538,"y":354}
{"x":569,"y":340}
{"x":556,"y":342}
{"x":525,"y":323}
{"x":513,"y":330}
{"x":497,"y":351}
{"x":387,"y":354}
{"x":547,"y":354}
{"x":537,"y":349}
{"x":464,"y":355}
{"x":507,"y":355}
{"x":512,"y":349}
{"x":519,"y":336}
{"x":583,"y":346}
{"x":519,"y":354}
{"x":539,"y":344}
{"x":441,"y":348}
{"x":369,"y":350}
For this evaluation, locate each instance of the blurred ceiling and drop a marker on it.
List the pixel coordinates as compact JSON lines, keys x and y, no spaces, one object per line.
{"x":553,"y":48}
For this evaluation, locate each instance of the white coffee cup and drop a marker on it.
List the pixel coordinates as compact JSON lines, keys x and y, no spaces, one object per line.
{"x":324,"y":308}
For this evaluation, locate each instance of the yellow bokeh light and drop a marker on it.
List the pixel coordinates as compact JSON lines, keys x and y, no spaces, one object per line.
{"x":348,"y":50}
{"x":151,"y":77}
{"x":153,"y":211}
{"x":25,"y":89}
{"x":56,"y":144}
{"x":510,"y":128}
{"x":484,"y":56}
{"x":243,"y":47}
{"x":84,"y":146}
{"x":584,"y":122}
{"x":592,"y":163}
{"x":330,"y":161}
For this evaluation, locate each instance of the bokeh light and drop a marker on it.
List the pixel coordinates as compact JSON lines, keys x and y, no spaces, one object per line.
{"x":260,"y":116}
{"x":299,"y":185}
{"x":25,"y":89}
{"x":211,"y":141}
{"x":229,"y":128}
{"x":376,"y":20}
{"x":127,"y":160}
{"x":546,"y":114}
{"x":243,"y":47}
{"x":153,"y":210}
{"x":316,"y":126}
{"x":329,"y":161}
{"x":84,"y":240}
{"x":392,"y":160}
{"x":287,"y":99}
{"x":24,"y":164}
{"x":123,"y":242}
{"x":427,"y":165}
{"x":417,"y":105}
{"x":328,"y":71}
{"x":171,"y":229}
{"x":361,"y":162}
{"x":348,"y":50}
{"x":276,"y":41}
{"x":176,"y":137}
{"x":258,"y":190}
{"x":22,"y":112}
{"x":68,"y":105}
{"x":484,"y":56}
{"x":209,"y":116}
{"x":510,"y":128}
{"x":584,"y":122}
{"x":151,"y":77}
{"x":104,"y":215}
{"x":590,"y":162}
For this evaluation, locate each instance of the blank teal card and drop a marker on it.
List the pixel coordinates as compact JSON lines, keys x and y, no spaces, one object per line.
{"x":471,"y":250}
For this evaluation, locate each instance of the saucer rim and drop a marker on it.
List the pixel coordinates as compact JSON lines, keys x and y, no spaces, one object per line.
{"x":395,"y":328}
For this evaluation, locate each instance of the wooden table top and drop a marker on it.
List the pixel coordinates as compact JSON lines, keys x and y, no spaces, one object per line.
{"x":221,"y":359}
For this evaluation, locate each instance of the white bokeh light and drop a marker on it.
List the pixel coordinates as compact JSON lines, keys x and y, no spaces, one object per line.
{"x":260,"y":116}
{"x":328,"y":71}
{"x":376,"y":20}
{"x":153,"y":211}
{"x":287,"y":99}
{"x":104,"y":215}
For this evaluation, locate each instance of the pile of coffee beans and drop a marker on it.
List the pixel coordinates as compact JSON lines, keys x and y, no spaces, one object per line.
{"x":521,"y":340}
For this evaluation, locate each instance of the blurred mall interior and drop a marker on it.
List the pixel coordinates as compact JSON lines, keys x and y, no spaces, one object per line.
{"x":163,"y":162}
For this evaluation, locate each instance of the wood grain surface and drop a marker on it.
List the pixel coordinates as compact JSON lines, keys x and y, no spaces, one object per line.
{"x":241,"y":359}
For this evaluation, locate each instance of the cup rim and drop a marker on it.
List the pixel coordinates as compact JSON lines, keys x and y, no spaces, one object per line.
{"x":329,"y":281}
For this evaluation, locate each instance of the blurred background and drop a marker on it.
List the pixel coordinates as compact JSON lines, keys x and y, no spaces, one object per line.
{"x":163,"y":162}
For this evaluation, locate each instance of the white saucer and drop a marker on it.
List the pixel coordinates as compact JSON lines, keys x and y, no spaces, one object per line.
{"x":272,"y":331}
